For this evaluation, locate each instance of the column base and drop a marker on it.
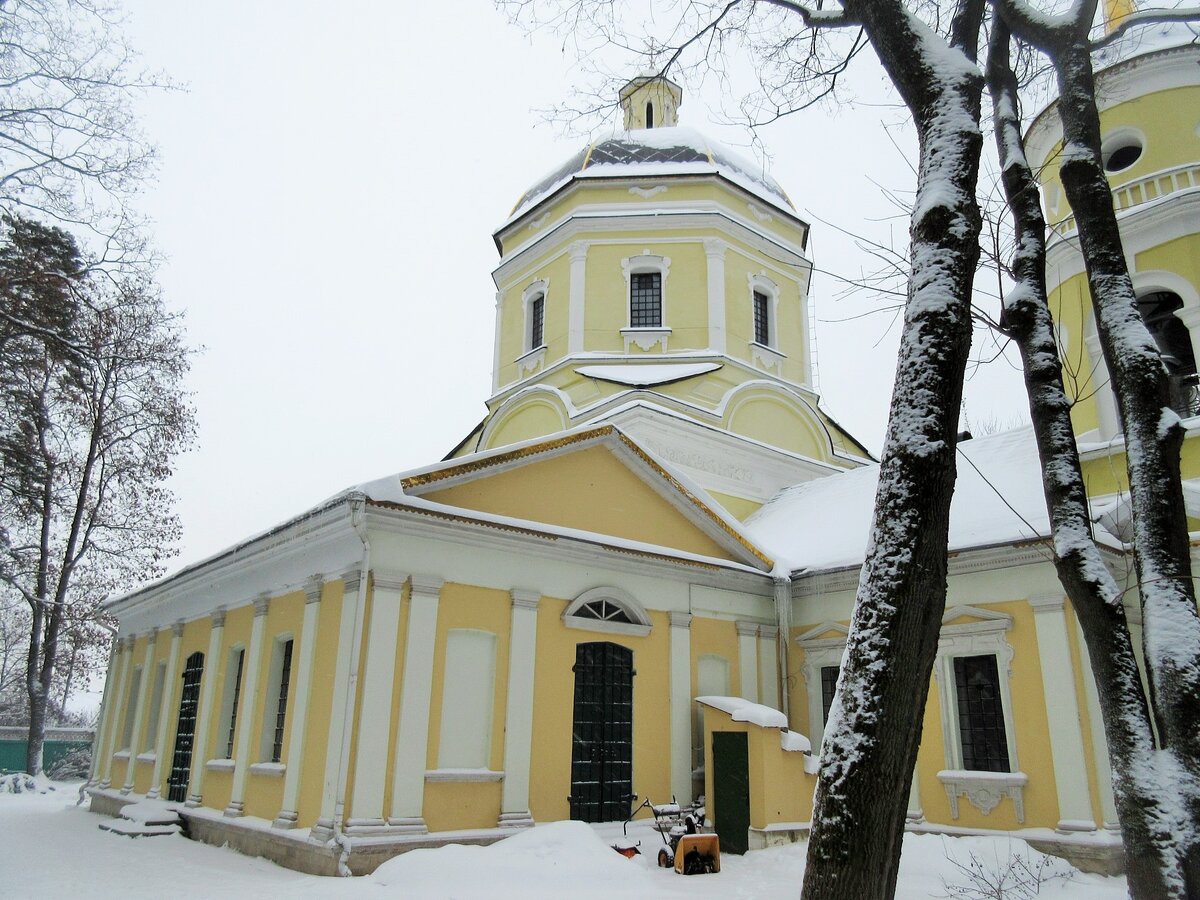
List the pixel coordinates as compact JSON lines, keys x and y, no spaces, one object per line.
{"x":407,"y":825}
{"x":321,"y":832}
{"x":193,"y":801}
{"x":287,"y":818}
{"x":105,"y":784}
{"x":152,"y":794}
{"x":127,"y":789}
{"x":1075,"y":826}
{"x":235,"y":810}
{"x":915,"y":816}
{"x":366,"y":826}
{"x":521,"y":819}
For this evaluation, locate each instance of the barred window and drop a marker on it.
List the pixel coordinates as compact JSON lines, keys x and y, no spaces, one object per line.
{"x":233,"y":694}
{"x":829,"y":677}
{"x":281,"y":707}
{"x":762,"y":328}
{"x":537,"y":312}
{"x":980,"y":714}
{"x":645,"y":300}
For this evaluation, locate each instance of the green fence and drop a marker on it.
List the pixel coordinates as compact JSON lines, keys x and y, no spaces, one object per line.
{"x":59,"y":743}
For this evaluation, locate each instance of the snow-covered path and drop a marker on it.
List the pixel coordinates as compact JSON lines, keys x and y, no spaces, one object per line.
{"x":54,"y":849}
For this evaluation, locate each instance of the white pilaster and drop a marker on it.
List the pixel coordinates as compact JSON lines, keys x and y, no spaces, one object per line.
{"x":344,"y":683}
{"x":204,"y":710}
{"x":518,"y":717}
{"x":124,"y":652}
{"x":681,"y":705}
{"x":1108,"y":803}
{"x":748,"y":659}
{"x":102,"y":719}
{"x":575,"y":309}
{"x":783,"y":619}
{"x":1106,"y":401}
{"x":375,"y":721}
{"x":170,"y":678}
{"x":288,"y":813}
{"x":412,"y":735}
{"x":915,"y":812}
{"x":250,"y":705}
{"x":768,"y":665}
{"x":496,"y":344}
{"x":1062,"y":710}
{"x":145,"y":685}
{"x":714,"y":250}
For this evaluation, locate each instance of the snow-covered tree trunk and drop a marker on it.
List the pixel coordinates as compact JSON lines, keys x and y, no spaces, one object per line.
{"x":1150,"y":852}
{"x":871,"y":741}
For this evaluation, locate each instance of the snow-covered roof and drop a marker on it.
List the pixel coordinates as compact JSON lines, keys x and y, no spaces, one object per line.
{"x":746,"y":711}
{"x":998,"y":499}
{"x":652,"y":152}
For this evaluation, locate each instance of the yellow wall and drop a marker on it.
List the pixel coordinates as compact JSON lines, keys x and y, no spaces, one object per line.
{"x":587,"y":489}
{"x":320,"y":703}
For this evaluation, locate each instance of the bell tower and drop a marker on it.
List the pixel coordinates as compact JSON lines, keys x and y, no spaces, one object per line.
{"x":651,"y":101}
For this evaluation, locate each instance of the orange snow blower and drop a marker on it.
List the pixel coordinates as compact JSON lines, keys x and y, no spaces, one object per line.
{"x":684,"y":848}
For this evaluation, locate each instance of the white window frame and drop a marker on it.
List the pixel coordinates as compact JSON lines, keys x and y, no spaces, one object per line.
{"x":225,"y":746}
{"x":646,"y":338}
{"x":984,"y":636}
{"x":266,"y":737}
{"x":532,"y":358}
{"x":468,"y":707}
{"x":768,"y":355}
{"x":639,"y":626}
{"x":824,"y":645}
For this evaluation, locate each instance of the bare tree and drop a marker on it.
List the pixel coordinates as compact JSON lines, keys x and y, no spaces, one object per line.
{"x":83,"y":510}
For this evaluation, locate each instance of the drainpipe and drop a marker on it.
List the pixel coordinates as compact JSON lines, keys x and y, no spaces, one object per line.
{"x":783,"y":618}
{"x":358,"y":523}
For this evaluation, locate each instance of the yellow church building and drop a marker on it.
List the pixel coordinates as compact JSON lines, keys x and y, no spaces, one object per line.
{"x":655,"y":509}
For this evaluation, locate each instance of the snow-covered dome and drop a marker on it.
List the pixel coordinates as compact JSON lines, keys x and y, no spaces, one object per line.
{"x":652,"y":152}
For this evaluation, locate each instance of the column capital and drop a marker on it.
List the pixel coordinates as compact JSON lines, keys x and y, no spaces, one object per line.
{"x":1046,"y":603}
{"x":680,"y":619}
{"x":261,"y":604}
{"x":389,"y":579}
{"x":351,"y":579}
{"x":128,"y":642}
{"x":312,"y":589}
{"x":523,"y":598}
{"x":427,"y":585}
{"x":578,"y":251}
{"x":177,"y":629}
{"x":768,"y":632}
{"x":218,"y":617}
{"x":747,"y":629}
{"x":715,"y":247}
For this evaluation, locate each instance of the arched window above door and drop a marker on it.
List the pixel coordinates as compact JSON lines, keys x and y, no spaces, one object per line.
{"x":608,"y":609}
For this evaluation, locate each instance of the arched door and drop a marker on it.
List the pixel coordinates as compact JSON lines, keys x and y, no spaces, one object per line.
{"x":602,"y":737}
{"x":185,"y":731}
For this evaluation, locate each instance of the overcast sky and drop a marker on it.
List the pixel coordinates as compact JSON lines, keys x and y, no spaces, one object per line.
{"x":328,"y":187}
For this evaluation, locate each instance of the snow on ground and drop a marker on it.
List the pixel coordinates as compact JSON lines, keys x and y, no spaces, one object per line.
{"x":55,"y":850}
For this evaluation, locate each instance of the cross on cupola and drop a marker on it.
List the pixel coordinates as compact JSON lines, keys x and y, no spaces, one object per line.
{"x":651,"y":101}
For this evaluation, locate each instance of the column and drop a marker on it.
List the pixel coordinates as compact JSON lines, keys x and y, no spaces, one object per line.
{"x":412,"y":735}
{"x":102,"y":723}
{"x":1108,"y":803}
{"x":768,"y":664}
{"x":1062,"y":711}
{"x":496,"y":345}
{"x":681,"y":705}
{"x":748,"y":659}
{"x":125,"y":651}
{"x":1106,"y":401}
{"x":714,"y":250}
{"x":288,"y":813}
{"x":518,"y":716}
{"x":345,"y":677}
{"x":145,"y":685}
{"x":915,"y":813}
{"x":575,"y":309}
{"x":375,"y":720}
{"x":170,"y":677}
{"x":249,"y":705}
{"x":204,"y":710}
{"x":783,"y":618}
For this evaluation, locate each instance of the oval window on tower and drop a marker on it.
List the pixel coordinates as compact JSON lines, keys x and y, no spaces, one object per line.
{"x":1121,"y":150}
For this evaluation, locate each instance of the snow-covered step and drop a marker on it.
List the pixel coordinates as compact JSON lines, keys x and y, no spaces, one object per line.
{"x":144,"y":820}
{"x":137,"y":829}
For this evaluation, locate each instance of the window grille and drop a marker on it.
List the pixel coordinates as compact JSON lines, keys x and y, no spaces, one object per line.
{"x":645,"y":300}
{"x":829,"y":677}
{"x":281,"y":710}
{"x":605,"y":611}
{"x":537,"y":310}
{"x":762,"y":328}
{"x":980,"y":714}
{"x":233,"y":709}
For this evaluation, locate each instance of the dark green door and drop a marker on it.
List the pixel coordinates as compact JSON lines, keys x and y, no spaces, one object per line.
{"x":602,"y":736}
{"x":731,"y":790}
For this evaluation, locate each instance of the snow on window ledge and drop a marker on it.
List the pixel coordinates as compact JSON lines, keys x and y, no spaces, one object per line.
{"x":122,"y":754}
{"x":148,"y":757}
{"x":220,"y":765}
{"x":274,"y":769}
{"x":463,"y":775}
{"x":985,"y":790}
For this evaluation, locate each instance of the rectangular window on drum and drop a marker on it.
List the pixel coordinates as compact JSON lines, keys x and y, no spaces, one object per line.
{"x":645,"y":300}
{"x":537,"y":313}
{"x":762,"y":327}
{"x":980,"y":714}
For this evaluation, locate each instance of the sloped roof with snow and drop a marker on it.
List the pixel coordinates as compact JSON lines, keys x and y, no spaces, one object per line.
{"x":998,"y":499}
{"x":653,"y":152}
